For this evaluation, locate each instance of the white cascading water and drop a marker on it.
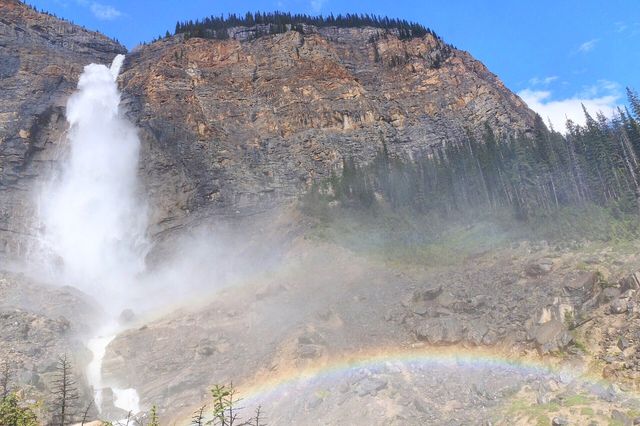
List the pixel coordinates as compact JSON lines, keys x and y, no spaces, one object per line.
{"x":94,"y":223}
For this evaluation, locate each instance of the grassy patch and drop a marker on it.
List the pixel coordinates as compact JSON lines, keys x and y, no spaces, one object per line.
{"x":580,"y":345}
{"x":410,"y":237}
{"x":404,"y":238}
{"x":574,"y":400}
{"x":543,"y":420}
{"x":591,"y":222}
{"x":587,"y":411}
{"x":534,"y":412}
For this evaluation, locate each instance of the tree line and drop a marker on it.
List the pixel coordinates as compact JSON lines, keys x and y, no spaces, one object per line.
{"x":531,"y":175}
{"x":279,"y":22}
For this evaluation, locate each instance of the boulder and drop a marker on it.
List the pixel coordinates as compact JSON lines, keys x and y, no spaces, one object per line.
{"x":446,"y":299}
{"x":582,"y":284}
{"x":623,"y":343}
{"x":420,"y":308}
{"x":126,"y":316}
{"x":371,"y":386}
{"x":476,"y":330}
{"x":551,"y":336}
{"x":108,"y":409}
{"x":426,"y":294}
{"x":631,"y":282}
{"x":205,"y":347}
{"x":559,"y":421}
{"x":539,"y":268}
{"x":618,"y":306}
{"x":309,"y":351}
{"x":447,"y":330}
{"x":430,"y":330}
{"x":490,"y":339}
{"x":608,"y":294}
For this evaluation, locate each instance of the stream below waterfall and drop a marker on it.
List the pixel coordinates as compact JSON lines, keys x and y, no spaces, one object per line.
{"x":126,"y":399}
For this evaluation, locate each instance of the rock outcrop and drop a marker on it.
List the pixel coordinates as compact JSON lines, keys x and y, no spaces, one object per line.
{"x":236,"y":126}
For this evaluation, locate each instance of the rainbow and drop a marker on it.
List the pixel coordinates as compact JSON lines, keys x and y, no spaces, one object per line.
{"x":291,"y":379}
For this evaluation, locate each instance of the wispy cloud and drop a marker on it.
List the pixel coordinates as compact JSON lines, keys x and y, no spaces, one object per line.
{"x":545,"y":81}
{"x":627,"y":28}
{"x":104,"y":12}
{"x":588,"y":46}
{"x":601,"y":87}
{"x":621,"y":27}
{"x":316,"y":5}
{"x":602,"y":96}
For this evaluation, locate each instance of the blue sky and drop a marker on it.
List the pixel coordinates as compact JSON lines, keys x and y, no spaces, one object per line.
{"x":555,"y":54}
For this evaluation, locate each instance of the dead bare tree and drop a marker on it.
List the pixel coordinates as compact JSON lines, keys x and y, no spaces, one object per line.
{"x":65,"y":394}
{"x":257,"y":420}
{"x":198,"y":417}
{"x":85,"y":414}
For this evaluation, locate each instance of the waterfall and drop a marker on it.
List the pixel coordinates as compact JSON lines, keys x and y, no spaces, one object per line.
{"x":94,"y":223}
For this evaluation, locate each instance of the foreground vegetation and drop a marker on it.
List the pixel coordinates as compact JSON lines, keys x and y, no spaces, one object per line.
{"x":63,"y":407}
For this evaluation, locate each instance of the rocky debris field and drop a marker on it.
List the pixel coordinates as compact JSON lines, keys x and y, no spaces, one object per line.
{"x":523,"y":334}
{"x":38,"y":324}
{"x":524,"y":302}
{"x":447,"y":392}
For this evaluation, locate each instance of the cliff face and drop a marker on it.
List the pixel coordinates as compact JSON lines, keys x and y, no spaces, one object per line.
{"x":235,"y":126}
{"x":238,"y":125}
{"x":40,"y":59}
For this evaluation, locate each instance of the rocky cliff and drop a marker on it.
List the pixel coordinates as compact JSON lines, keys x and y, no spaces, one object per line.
{"x":236,"y":126}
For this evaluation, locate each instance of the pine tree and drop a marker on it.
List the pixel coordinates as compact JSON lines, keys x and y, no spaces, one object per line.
{"x":154,"y":420}
{"x":225,"y":412}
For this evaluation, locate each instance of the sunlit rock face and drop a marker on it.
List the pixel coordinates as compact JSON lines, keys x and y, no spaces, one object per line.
{"x":237,"y":126}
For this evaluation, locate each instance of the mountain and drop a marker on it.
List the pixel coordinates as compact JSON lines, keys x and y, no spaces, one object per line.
{"x":489,"y":277}
{"x":238,"y":125}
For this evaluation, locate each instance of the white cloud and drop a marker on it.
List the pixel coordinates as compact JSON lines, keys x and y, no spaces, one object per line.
{"x":602,"y":96}
{"x":104,"y":11}
{"x":101,"y":11}
{"x":316,"y":5}
{"x":588,"y":46}
{"x":535,"y":81}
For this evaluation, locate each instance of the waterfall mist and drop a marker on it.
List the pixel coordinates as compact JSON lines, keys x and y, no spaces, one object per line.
{"x":93,"y":219}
